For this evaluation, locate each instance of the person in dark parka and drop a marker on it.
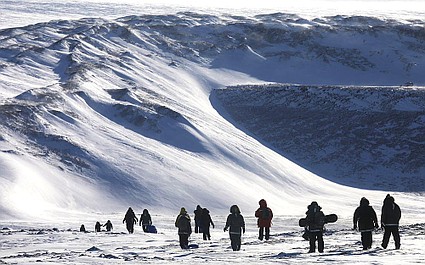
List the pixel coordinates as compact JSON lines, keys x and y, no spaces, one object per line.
{"x":265,"y":216}
{"x":198,"y":215}
{"x":236,"y":225}
{"x":365,"y":219}
{"x":184,"y":228}
{"x":108,"y":226}
{"x":145,"y":220}
{"x":315,"y":223}
{"x":82,"y":228}
{"x":130,"y":219}
{"x":390,"y":218}
{"x":205,"y":223}
{"x":97,"y":227}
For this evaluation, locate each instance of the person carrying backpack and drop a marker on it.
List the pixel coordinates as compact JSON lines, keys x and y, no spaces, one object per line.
{"x":390,"y":219}
{"x":236,"y":225}
{"x":184,"y":228}
{"x":265,"y":216}
{"x":315,"y":224}
{"x":366,"y":219}
{"x":145,"y":220}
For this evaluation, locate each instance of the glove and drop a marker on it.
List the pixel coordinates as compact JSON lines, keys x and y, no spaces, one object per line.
{"x":355,"y":227}
{"x":213,"y":226}
{"x":376,"y":226}
{"x":225,"y":229}
{"x":243,"y":230}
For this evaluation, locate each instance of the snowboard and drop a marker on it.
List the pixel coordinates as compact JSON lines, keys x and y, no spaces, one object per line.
{"x":330,"y":218}
{"x":152,"y":229}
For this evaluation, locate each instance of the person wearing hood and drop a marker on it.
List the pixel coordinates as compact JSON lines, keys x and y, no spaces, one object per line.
{"x":184,"y":228}
{"x":315,"y":223}
{"x":265,"y":216}
{"x":108,"y":226}
{"x":198,"y":215}
{"x":145,"y":220}
{"x":97,"y":226}
{"x":390,"y":218}
{"x":235,"y":223}
{"x":130,"y":219}
{"x":366,"y":221}
{"x":205,"y":223}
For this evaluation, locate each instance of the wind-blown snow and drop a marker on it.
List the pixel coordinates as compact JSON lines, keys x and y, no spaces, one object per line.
{"x":99,"y":114}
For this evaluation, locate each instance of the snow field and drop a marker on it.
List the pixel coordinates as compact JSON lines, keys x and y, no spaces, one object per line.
{"x":42,"y":244}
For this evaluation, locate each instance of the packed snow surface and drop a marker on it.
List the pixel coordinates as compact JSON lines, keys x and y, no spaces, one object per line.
{"x":175,"y":109}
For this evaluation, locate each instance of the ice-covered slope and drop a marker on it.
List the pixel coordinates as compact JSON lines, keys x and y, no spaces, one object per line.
{"x":100,"y":114}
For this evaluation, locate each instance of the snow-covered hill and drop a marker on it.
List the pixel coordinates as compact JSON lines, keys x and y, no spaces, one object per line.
{"x":365,"y":137}
{"x":98,"y":114}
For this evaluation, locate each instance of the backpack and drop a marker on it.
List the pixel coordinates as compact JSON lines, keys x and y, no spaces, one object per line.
{"x":319,"y":219}
{"x":265,"y":213}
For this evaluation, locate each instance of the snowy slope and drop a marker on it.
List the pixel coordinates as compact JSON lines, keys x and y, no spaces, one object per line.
{"x":99,"y":114}
{"x":364,"y":137}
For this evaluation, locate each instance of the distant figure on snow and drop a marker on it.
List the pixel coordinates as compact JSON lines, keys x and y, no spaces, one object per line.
{"x":97,"y":227}
{"x":365,"y":218}
{"x":264,"y":222}
{"x":130,"y":219}
{"x":390,"y":219}
{"x":82,"y":228}
{"x":205,"y":224}
{"x":108,"y":226}
{"x":145,"y":220}
{"x":184,"y":228}
{"x":236,"y":225}
{"x":315,"y":223}
{"x":198,"y":214}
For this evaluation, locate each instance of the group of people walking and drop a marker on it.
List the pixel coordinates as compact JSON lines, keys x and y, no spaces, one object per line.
{"x":130,"y":220}
{"x":235,"y":224}
{"x":364,"y":220}
{"x":98,"y":227}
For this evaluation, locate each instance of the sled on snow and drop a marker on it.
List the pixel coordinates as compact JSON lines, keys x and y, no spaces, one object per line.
{"x":152,"y":229}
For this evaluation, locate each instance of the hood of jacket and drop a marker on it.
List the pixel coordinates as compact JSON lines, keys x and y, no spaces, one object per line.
{"x":262,"y":203}
{"x":235,"y":209}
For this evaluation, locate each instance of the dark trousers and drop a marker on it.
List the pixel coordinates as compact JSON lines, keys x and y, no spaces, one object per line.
{"x":320,"y":244}
{"x":367,"y":240}
{"x":235,"y":241}
{"x":130,"y":227}
{"x":387,"y":233}
{"x":198,"y":228}
{"x":184,"y":241}
{"x":145,"y":228}
{"x":261,"y":233}
{"x":206,"y":233}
